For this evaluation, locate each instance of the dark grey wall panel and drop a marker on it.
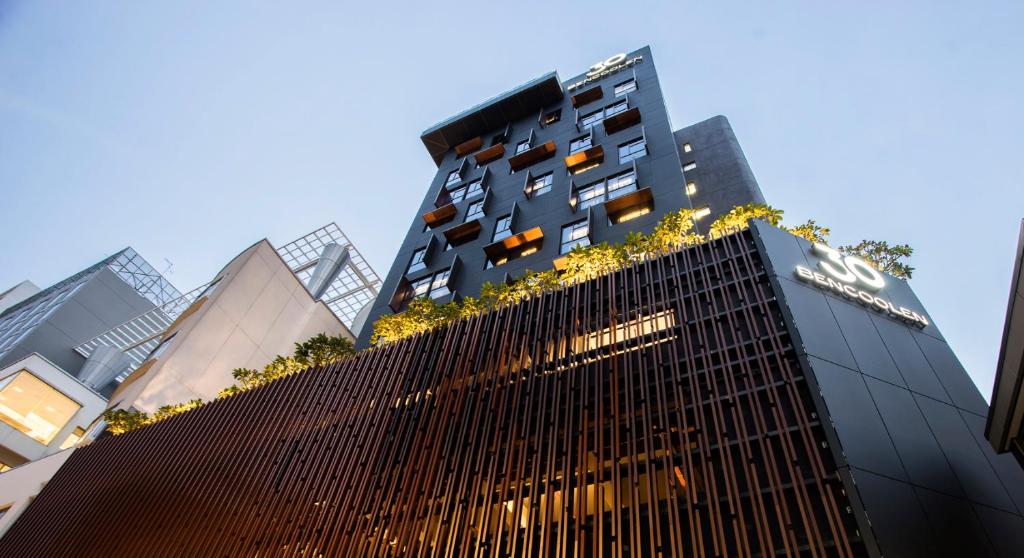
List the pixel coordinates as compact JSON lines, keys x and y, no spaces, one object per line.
{"x":1009,"y":471}
{"x":958,"y":533}
{"x":899,"y":522}
{"x":869,"y":351}
{"x":951,"y":374}
{"x":1005,"y":530}
{"x":916,"y":371}
{"x":820,"y":334}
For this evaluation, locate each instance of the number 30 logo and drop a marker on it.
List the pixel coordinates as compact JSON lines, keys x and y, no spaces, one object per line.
{"x":602,"y":66}
{"x":848,"y":269}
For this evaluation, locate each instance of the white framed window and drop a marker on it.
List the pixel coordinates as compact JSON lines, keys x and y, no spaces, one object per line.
{"x":631,"y":150}
{"x":590,"y":119}
{"x":502,"y":228}
{"x":416,"y":263}
{"x":453,"y":177}
{"x":439,"y":286}
{"x":573,"y":235}
{"x":616,"y":108}
{"x":581,"y":143}
{"x":474,"y":189}
{"x":621,"y":183}
{"x":541,"y":184}
{"x":475,"y":211}
{"x":34,"y":407}
{"x":522,"y":146}
{"x":625,"y":87}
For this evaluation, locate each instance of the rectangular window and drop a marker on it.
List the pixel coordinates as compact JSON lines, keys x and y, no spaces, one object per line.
{"x":541,"y":184}
{"x":502,"y":228}
{"x":690,"y":166}
{"x":553,"y":116}
{"x":574,"y":234}
{"x":616,"y":108}
{"x":33,"y":407}
{"x":475,"y":211}
{"x":416,"y":263}
{"x":457,"y":194}
{"x":629,"y":215}
{"x":453,"y":177}
{"x":474,"y":189}
{"x":590,"y":195}
{"x":522,"y":146}
{"x":687,"y":148}
{"x":580,"y":169}
{"x":581,"y":143}
{"x":702,"y":213}
{"x":589,"y":120}
{"x":418,"y":288}
{"x":625,"y":87}
{"x":439,"y":286}
{"x":621,"y":184}
{"x":691,"y":188}
{"x":632,"y":150}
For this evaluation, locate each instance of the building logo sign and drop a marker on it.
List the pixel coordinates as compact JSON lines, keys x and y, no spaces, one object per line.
{"x":853,"y":278}
{"x":606,"y":68}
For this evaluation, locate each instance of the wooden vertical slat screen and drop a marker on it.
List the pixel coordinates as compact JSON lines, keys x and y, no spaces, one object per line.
{"x":655,"y":411}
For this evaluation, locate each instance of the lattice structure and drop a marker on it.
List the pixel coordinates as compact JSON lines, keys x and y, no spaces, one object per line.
{"x":352,"y":289}
{"x":656,"y":411}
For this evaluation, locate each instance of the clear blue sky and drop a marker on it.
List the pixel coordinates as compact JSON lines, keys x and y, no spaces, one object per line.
{"x":189,"y":130}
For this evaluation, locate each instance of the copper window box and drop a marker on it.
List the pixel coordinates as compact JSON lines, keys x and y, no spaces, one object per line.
{"x":622,"y":120}
{"x":532,"y":156}
{"x":440,"y":215}
{"x":463,"y":232}
{"x":626,"y":202}
{"x":496,"y":250}
{"x":561,"y":263}
{"x":587,"y":156}
{"x":492,"y":153}
{"x":588,"y":96}
{"x":467,"y":147}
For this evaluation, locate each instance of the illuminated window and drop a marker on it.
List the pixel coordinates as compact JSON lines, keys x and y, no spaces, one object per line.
{"x":580,"y":169}
{"x":475,"y":211}
{"x":453,"y":177}
{"x":73,"y":438}
{"x":631,"y":150}
{"x":33,"y":407}
{"x":592,"y":194}
{"x":581,"y":143}
{"x":618,"y":107}
{"x":625,"y":87}
{"x":502,"y":228}
{"x":687,"y":148}
{"x":691,"y":188}
{"x":702,"y":213}
{"x":541,"y":184}
{"x":439,"y":286}
{"x":416,"y":263}
{"x":522,"y":146}
{"x":621,"y":183}
{"x":574,"y":234}
{"x":690,"y":166}
{"x":553,"y":116}
{"x":589,"y":120}
{"x":474,"y":189}
{"x":629,"y":215}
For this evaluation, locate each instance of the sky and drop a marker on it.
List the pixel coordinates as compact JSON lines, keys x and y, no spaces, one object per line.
{"x":189,"y":130}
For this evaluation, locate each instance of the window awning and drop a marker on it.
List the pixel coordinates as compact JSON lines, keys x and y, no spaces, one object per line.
{"x":628,"y":202}
{"x":492,"y":153}
{"x":588,"y":96}
{"x":440,"y":215}
{"x":593,"y":155}
{"x":463,"y":232}
{"x":622,"y":120}
{"x":496,"y":250}
{"x":468,"y":146}
{"x":532,"y":156}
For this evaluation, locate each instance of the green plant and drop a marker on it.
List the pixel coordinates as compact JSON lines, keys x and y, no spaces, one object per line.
{"x":738,"y":217}
{"x":883,"y":257}
{"x":120,"y":421}
{"x":810,"y":231}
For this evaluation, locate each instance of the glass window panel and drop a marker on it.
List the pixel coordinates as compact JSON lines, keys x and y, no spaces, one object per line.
{"x":417,"y":263}
{"x":574,"y":234}
{"x":625,"y":87}
{"x":33,"y":407}
{"x":522,"y":146}
{"x":632,"y":150}
{"x":615,"y":109}
{"x":542,"y":184}
{"x":475,"y":211}
{"x":502,"y":228}
{"x":475,"y":188}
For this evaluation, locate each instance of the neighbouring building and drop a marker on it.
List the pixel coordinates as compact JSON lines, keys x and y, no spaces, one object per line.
{"x":527,"y":175}
{"x":754,"y":395}
{"x":1006,"y":414}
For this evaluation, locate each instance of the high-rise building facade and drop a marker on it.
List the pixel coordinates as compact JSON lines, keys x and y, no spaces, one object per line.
{"x":529,"y":174}
{"x":754,"y":395}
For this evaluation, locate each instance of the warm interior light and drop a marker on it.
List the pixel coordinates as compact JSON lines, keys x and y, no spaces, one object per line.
{"x":702,"y":213}
{"x":691,"y":188}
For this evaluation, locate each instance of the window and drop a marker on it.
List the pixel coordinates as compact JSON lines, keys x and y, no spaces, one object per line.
{"x":503,"y":228}
{"x":418,"y":288}
{"x":625,"y":87}
{"x":457,"y":194}
{"x":590,"y":195}
{"x":615,"y":109}
{"x":581,"y":143}
{"x":579,"y":169}
{"x":73,"y":438}
{"x":621,"y":184}
{"x":589,"y":120}
{"x":439,"y":286}
{"x":702,"y":213}
{"x":33,"y":407}
{"x":541,"y":185}
{"x":475,"y":211}
{"x":629,"y":215}
{"x":416,"y":263}
{"x":690,"y":166}
{"x":474,"y":189}
{"x":632,"y":150}
{"x":691,"y":188}
{"x":687,"y":148}
{"x":453,"y":177}
{"x":522,"y":146}
{"x":574,"y":234}
{"x":553,"y":116}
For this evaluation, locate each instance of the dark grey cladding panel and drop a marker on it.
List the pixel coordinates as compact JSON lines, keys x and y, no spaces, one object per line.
{"x":958,"y":533}
{"x":860,"y":429}
{"x":783,"y":248}
{"x":952,"y":374}
{"x":917,"y":448}
{"x":899,"y":293}
{"x":1007,"y":468}
{"x":1005,"y":530}
{"x":819,"y":332}
{"x":976,"y":475}
{"x":867,"y":346}
{"x":914,"y":367}
{"x":897,"y":518}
